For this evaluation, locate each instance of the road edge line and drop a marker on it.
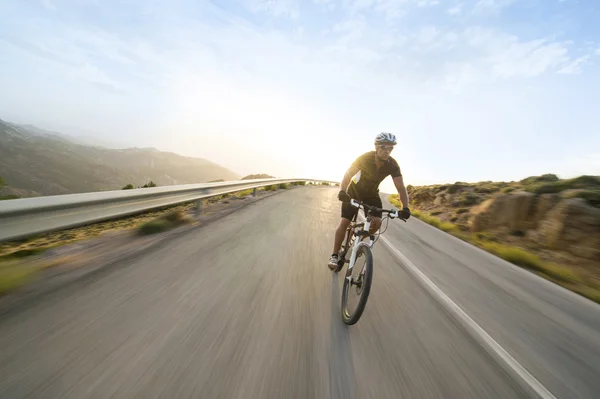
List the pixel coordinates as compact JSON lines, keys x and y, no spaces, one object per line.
{"x":527,"y":381}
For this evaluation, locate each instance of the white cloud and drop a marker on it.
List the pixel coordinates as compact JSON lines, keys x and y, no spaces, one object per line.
{"x":528,"y":59}
{"x":574,"y":67}
{"x":507,"y":56}
{"x":456,"y":10}
{"x":351,"y":30}
{"x":329,"y":4}
{"x":494,"y":4}
{"x":48,"y":4}
{"x":427,"y":34}
{"x":391,"y":9}
{"x":278,"y":8}
{"x":93,"y":74}
{"x":460,"y":75}
{"x":427,"y":3}
{"x":491,"y":7}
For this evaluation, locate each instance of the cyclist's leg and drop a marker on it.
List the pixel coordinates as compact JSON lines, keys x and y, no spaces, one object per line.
{"x":348,"y":212}
{"x":340,"y":233}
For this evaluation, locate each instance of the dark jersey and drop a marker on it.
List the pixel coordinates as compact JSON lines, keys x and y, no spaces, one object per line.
{"x":365,"y":184}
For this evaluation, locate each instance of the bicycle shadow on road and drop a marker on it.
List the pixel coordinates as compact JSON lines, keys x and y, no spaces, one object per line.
{"x":342,"y":375}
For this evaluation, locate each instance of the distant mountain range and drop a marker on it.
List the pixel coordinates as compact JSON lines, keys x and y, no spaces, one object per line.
{"x":36,"y":162}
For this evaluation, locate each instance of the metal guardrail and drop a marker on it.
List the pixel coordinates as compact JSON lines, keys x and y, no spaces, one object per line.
{"x":25,"y":217}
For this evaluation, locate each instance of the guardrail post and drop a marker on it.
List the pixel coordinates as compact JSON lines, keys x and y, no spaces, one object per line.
{"x":254,"y":192}
{"x":198,"y":209}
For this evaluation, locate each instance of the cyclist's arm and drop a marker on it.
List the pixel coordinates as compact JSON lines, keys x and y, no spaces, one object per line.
{"x":348,"y":176}
{"x":399,"y":183}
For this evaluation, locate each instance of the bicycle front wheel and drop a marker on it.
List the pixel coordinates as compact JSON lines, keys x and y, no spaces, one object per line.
{"x":357,"y":285}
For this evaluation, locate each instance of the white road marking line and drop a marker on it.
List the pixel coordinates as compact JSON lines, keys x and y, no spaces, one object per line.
{"x":504,"y":359}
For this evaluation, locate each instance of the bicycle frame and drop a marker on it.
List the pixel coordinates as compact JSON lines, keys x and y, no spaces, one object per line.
{"x":360,"y":230}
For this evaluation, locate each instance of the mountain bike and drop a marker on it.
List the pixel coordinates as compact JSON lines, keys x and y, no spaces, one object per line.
{"x":353,"y":242}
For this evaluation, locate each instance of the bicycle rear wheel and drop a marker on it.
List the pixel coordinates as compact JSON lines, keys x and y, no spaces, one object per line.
{"x":359,"y":285}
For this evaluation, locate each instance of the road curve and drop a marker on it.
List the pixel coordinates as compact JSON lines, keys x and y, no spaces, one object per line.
{"x":246,"y":308}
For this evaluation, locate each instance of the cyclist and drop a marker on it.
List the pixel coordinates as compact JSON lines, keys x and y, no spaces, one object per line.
{"x":361,"y":182}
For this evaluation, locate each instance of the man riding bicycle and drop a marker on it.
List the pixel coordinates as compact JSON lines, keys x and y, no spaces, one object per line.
{"x":361,"y":182}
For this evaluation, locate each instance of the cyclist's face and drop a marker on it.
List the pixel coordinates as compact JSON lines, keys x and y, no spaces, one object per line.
{"x":384,"y":151}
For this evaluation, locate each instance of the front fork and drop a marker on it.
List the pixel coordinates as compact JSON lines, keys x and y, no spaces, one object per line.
{"x":356,"y":242}
{"x":354,"y":245}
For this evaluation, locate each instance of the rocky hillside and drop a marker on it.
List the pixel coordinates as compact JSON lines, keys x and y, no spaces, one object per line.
{"x":34,"y":162}
{"x":557,"y":220}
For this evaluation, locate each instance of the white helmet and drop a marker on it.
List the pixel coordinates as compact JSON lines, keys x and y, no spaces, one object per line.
{"x":385,"y":138}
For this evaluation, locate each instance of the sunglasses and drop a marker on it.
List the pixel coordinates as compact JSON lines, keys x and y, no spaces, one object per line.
{"x":387,"y":147}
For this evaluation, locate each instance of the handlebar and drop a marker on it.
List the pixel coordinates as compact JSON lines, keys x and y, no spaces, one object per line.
{"x":393,"y":213}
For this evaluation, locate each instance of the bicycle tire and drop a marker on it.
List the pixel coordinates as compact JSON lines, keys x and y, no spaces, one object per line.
{"x":348,"y":318}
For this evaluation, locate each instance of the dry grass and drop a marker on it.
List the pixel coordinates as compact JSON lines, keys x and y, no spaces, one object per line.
{"x":427,"y":218}
{"x":163,"y":223}
{"x":13,"y":275}
{"x":436,"y":222}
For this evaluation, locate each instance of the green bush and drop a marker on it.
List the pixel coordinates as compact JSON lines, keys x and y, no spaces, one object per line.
{"x":128,"y":187}
{"x":539,"y":179}
{"x":154,"y":226}
{"x":487,"y":189}
{"x":284,"y":186}
{"x":456,"y":187}
{"x":173,"y":216}
{"x":581,"y":182}
{"x":484,"y":236}
{"x":469,"y":199}
{"x":591,"y":196}
{"x":149,"y":184}
{"x":163,"y":223}
{"x":546,"y":188}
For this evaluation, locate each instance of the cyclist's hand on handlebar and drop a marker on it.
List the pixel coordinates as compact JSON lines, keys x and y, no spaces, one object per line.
{"x":404,"y":213}
{"x":343,"y":196}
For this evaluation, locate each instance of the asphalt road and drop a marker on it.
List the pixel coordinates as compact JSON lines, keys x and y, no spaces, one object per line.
{"x":247,"y":308}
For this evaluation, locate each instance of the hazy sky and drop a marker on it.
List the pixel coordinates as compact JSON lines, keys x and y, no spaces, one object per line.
{"x":474,"y":89}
